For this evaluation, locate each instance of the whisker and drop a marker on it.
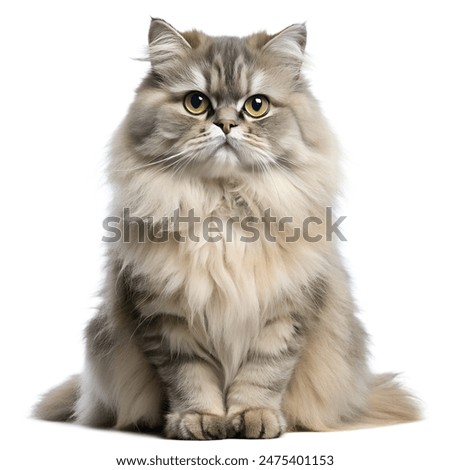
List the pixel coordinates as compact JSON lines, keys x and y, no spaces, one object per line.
{"x":184,"y":163}
{"x":148,"y":165}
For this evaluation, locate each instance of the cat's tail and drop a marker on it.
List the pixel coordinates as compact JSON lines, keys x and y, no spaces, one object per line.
{"x":390,"y":403}
{"x":58,"y":404}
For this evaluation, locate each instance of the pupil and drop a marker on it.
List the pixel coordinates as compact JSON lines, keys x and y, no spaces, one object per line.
{"x":257,"y":103}
{"x":196,"y":101}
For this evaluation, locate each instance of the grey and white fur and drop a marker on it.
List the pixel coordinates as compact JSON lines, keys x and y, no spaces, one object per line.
{"x":212,"y":340}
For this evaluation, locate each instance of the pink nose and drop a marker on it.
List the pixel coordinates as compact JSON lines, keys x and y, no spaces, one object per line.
{"x":226,"y":125}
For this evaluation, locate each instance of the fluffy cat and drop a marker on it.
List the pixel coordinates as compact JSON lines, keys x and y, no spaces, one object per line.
{"x":217,"y":336}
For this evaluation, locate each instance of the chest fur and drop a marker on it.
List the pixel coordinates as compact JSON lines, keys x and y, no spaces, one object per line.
{"x":215,"y":272}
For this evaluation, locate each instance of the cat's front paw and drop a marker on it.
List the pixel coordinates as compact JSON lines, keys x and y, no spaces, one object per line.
{"x":257,"y":423}
{"x":195,"y":426}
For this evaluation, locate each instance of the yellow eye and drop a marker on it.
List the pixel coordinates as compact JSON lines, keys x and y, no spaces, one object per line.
{"x":257,"y":106}
{"x":196,"y":102}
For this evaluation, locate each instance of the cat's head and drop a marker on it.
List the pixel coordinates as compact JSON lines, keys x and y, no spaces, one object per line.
{"x":219,"y":106}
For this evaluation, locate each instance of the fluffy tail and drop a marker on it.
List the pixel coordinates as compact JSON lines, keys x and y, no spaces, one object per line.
{"x":58,"y":404}
{"x":389,"y":403}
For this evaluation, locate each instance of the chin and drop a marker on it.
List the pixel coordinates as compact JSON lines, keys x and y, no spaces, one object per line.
{"x":223,"y":163}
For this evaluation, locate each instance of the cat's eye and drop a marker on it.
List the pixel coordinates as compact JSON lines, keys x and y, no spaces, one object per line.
{"x":257,"y":106}
{"x":196,"y":102}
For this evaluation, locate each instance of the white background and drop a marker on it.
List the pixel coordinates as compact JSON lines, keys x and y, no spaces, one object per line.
{"x":380,"y":70}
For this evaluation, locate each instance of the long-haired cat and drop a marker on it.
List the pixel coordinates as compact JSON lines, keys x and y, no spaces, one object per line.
{"x":223,"y":321}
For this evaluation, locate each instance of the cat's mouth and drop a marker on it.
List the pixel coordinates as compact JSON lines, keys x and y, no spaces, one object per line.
{"x":230,"y":143}
{"x":227,"y":144}
{"x":230,"y":155}
{"x":224,"y":143}
{"x":228,"y":148}
{"x":227,"y":154}
{"x":224,"y":157}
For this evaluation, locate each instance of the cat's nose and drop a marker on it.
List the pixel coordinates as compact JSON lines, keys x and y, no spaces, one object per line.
{"x":226,"y":125}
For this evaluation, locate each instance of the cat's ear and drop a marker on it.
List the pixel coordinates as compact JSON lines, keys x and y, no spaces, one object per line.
{"x":288,"y":45}
{"x":165,"y":42}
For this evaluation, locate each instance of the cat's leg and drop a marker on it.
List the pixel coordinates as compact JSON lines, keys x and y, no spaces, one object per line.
{"x":191,"y":378}
{"x":196,"y":403}
{"x":332,"y":386}
{"x":118,"y":386}
{"x":254,"y":399}
{"x":331,"y":381}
